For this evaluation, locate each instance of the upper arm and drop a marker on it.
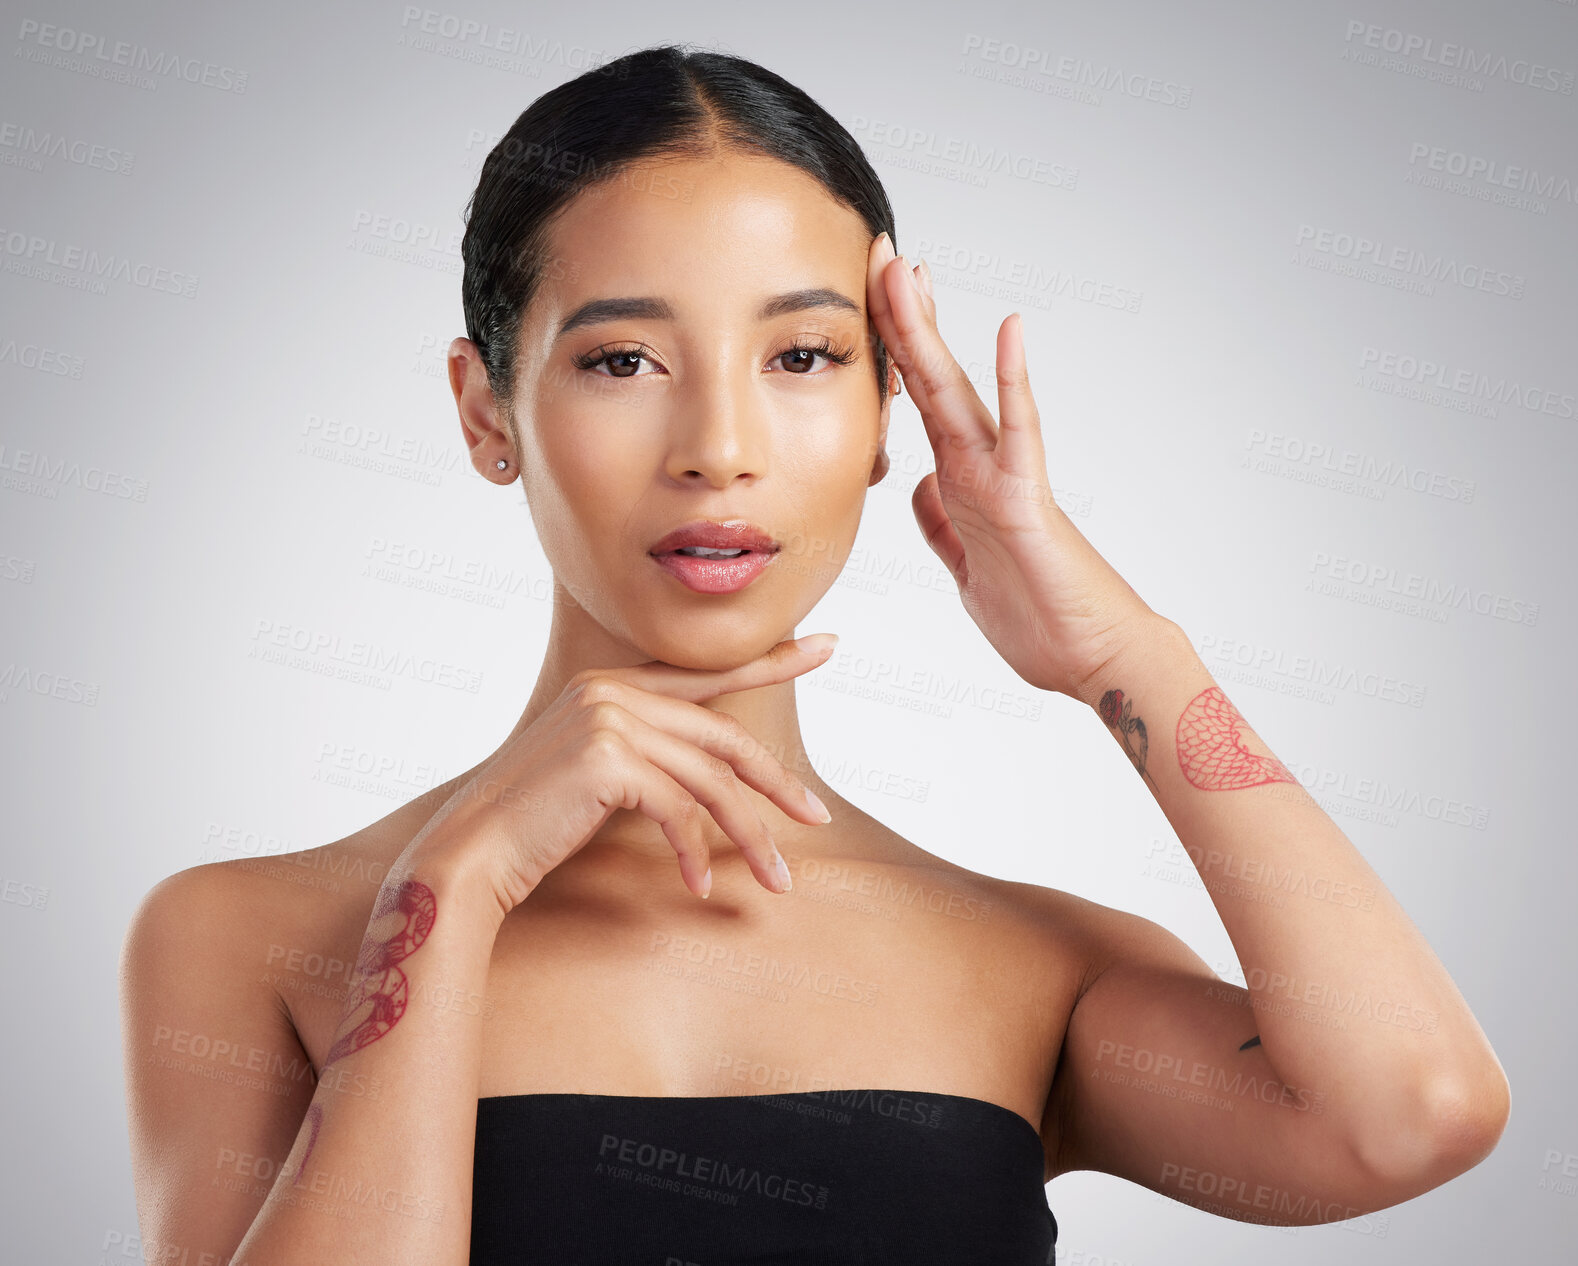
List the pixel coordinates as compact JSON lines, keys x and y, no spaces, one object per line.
{"x":1161,"y":1082}
{"x":217,"y":1082}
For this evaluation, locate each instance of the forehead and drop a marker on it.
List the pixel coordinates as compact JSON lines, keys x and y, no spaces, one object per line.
{"x":713,"y":235}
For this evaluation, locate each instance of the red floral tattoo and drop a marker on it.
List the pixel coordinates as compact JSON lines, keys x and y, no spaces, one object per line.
{"x":1115,"y":711}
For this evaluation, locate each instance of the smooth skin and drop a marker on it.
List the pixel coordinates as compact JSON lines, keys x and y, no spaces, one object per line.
{"x":662,"y":741}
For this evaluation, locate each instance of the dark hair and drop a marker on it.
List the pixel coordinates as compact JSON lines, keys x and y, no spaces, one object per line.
{"x":658,"y":102}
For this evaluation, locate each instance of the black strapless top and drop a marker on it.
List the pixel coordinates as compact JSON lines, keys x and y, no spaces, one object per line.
{"x":814,"y":1178}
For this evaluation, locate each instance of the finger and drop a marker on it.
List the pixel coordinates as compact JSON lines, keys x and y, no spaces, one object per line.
{"x":922,"y":276}
{"x":1019,"y":439}
{"x":675,"y":810}
{"x":877,"y":305}
{"x":952,"y":411}
{"x":711,"y":782}
{"x":878,"y":308}
{"x":877,"y":259}
{"x":719,"y":734}
{"x":937,"y":527}
{"x":787,"y":659}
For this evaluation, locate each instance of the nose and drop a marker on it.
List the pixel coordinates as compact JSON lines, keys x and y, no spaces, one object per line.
{"x":717,"y":435}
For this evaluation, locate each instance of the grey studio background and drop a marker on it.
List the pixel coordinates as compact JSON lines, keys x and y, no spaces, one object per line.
{"x":1297,"y":285}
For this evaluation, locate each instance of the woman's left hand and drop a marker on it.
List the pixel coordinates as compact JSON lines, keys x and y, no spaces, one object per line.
{"x":1053,"y":607}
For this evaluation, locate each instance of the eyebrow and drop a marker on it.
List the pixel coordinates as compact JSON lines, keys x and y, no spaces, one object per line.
{"x":655,"y":309}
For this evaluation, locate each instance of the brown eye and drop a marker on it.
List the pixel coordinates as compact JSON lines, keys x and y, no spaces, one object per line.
{"x":622,"y":362}
{"x":802,"y":358}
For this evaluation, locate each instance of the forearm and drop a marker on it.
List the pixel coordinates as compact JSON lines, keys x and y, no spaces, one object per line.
{"x":1348,"y":998}
{"x":388,"y":1178}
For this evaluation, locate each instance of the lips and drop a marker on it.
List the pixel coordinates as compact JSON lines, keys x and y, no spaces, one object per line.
{"x":722,"y":574}
{"x":731,"y":534}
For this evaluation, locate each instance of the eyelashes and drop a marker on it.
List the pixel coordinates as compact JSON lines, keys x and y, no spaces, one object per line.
{"x":837,"y":353}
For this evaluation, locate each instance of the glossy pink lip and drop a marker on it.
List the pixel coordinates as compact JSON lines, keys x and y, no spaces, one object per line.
{"x":716,"y":575}
{"x":731,"y":534}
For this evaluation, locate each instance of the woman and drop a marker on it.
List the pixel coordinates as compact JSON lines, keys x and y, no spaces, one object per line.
{"x":495,"y":1040}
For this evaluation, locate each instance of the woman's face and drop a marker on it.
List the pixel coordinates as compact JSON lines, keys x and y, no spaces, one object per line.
{"x":694,"y":403}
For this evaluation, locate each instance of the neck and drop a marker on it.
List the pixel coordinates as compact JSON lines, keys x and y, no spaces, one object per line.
{"x":767,"y":713}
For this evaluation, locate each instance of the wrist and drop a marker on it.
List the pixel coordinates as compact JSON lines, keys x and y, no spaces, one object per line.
{"x":1142,"y":640}
{"x":453,"y":867}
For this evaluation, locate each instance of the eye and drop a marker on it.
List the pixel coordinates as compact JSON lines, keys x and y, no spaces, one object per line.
{"x":624,"y":361}
{"x":804,"y":351}
{"x":798,"y":359}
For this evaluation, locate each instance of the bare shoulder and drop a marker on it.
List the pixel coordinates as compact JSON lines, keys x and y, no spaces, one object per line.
{"x":223,"y":920}
{"x":1036,"y":924}
{"x":245,"y":897}
{"x":1083,"y":936}
{"x":213,"y":1059}
{"x":1099,"y":935}
{"x":202,"y":914}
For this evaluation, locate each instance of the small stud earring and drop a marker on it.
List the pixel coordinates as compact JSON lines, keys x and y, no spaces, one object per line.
{"x":503,"y":464}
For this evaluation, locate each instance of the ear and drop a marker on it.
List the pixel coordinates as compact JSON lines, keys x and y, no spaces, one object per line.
{"x":484,"y":431}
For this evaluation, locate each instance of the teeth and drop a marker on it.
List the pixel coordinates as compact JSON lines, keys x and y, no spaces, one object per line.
{"x":703,"y":551}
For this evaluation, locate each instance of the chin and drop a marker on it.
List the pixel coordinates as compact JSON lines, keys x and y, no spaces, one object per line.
{"x":712,"y":652}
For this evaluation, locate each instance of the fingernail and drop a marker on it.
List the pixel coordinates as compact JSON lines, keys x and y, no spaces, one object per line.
{"x":925,"y":276}
{"x":782,"y":871}
{"x":706,"y":884}
{"x":910,"y":273}
{"x":817,"y":807}
{"x":816,"y":643}
{"x":885,"y":245}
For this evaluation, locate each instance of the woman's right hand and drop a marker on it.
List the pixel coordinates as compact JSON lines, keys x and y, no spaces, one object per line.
{"x":626,"y":738}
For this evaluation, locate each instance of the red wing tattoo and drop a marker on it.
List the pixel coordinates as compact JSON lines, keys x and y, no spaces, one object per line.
{"x":1211,"y":749}
{"x":378,"y":998}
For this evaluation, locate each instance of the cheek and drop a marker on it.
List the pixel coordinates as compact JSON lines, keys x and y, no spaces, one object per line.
{"x":823,"y":481}
{"x":575,"y":483}
{"x":835,"y":433}
{"x":833,"y":464}
{"x":827,"y":476}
